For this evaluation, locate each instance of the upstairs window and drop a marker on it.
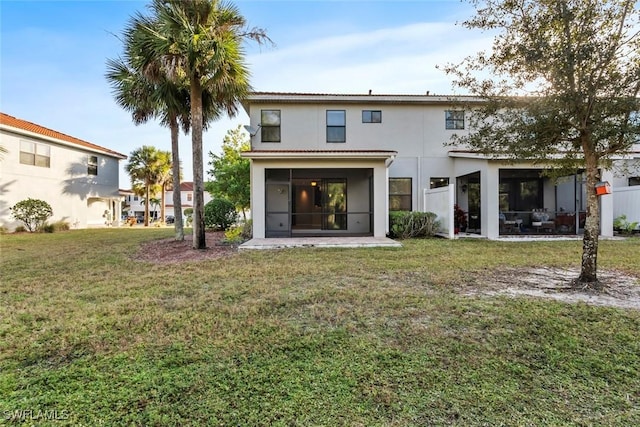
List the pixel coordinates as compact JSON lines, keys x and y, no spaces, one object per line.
{"x":371,"y":116}
{"x":189,"y":197}
{"x":92,"y":165}
{"x":336,"y":126}
{"x":454,"y":119}
{"x":270,"y":125}
{"x":35,"y":154}
{"x":634,"y":180}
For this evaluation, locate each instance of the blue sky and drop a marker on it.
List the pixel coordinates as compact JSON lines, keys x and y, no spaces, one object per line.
{"x":53,"y":54}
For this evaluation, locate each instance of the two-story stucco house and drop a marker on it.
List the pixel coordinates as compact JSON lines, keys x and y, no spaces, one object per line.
{"x":77,"y":178}
{"x":324,"y":164}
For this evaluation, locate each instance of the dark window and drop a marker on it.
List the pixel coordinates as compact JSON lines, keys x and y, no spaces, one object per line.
{"x":35,"y":154}
{"x":336,"y":126}
{"x":92,"y":168}
{"x":454,"y":119}
{"x":371,"y":116}
{"x":634,"y":180}
{"x":270,"y":125}
{"x":439,"y":182}
{"x":399,"y":194}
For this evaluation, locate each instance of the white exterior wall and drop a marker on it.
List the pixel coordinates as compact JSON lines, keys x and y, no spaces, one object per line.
{"x":414,"y":127}
{"x":417,"y":133}
{"x":75,"y":196}
{"x":258,"y":187}
{"x":624,"y":169}
{"x":626,"y":201}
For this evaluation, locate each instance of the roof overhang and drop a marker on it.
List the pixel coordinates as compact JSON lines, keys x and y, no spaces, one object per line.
{"x":385,"y":155}
{"x":463,"y":154}
{"x":82,"y":145}
{"x":343,"y":99}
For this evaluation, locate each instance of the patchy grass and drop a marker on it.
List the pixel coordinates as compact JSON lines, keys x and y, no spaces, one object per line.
{"x":306,"y":337}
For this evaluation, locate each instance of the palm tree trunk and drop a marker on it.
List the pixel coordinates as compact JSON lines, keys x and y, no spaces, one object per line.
{"x":175,"y":170}
{"x":198,"y":165}
{"x":588,"y":273}
{"x":146,"y":204}
{"x":162,"y":203}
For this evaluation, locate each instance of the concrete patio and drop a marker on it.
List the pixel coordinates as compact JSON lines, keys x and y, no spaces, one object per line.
{"x":320,"y":242}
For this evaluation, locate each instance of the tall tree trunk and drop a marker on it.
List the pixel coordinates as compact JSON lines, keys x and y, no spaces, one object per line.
{"x":146,"y":204}
{"x":175,"y":170}
{"x":588,"y":273}
{"x":162,"y":203}
{"x":198,"y":165}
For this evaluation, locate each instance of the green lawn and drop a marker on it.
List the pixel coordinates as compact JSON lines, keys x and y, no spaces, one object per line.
{"x":354,"y":337}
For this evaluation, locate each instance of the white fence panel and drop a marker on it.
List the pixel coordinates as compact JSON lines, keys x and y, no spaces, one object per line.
{"x":626,"y":201}
{"x":440,"y":201}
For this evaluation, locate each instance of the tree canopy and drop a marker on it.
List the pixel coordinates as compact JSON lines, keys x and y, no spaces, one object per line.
{"x":561,"y":82}
{"x":230,"y":172}
{"x":147,"y":167}
{"x":200,"y":41}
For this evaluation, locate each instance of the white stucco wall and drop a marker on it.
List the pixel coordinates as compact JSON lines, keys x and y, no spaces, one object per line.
{"x":415,"y":127}
{"x":65,"y":185}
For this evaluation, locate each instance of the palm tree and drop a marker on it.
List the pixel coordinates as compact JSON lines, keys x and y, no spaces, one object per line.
{"x":164,"y":177}
{"x":148,"y":98}
{"x":143,"y":170}
{"x":199,"y":40}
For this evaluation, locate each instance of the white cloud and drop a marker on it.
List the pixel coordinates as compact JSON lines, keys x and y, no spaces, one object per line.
{"x":390,"y":60}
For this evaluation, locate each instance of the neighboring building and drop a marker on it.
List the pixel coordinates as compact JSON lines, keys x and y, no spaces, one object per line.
{"x":135,"y":207}
{"x":77,"y":178}
{"x":337,"y":164}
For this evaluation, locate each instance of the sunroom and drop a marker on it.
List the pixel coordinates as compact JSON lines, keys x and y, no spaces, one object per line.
{"x":312,"y":193}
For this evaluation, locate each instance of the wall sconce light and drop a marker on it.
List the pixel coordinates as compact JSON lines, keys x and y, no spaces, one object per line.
{"x":464,"y":188}
{"x":252,"y":131}
{"x":313,"y":183}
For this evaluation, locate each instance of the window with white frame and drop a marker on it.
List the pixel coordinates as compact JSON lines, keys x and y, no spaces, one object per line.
{"x":454,"y":119}
{"x":336,"y":126}
{"x":270,"y":125}
{"x":35,"y":154}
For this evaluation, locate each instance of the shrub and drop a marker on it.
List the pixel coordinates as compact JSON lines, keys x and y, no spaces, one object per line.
{"x":3,"y":229}
{"x":233,"y":235}
{"x":61,"y":226}
{"x":220,"y":214}
{"x":405,"y":225}
{"x":48,"y":228}
{"x":459,"y":218}
{"x":20,"y":229}
{"x":622,"y":225}
{"x":247,"y":230}
{"x":240,"y":233}
{"x":32,"y":212}
{"x":188,"y":213}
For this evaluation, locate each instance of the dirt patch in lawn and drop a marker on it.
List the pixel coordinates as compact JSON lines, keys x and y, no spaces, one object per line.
{"x":620,"y":290}
{"x":173,"y":251}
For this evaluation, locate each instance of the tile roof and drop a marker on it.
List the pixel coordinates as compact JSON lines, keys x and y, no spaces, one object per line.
{"x":10,"y":121}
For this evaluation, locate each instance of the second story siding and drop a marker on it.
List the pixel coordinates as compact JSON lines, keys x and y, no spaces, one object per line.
{"x":411,"y":125}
